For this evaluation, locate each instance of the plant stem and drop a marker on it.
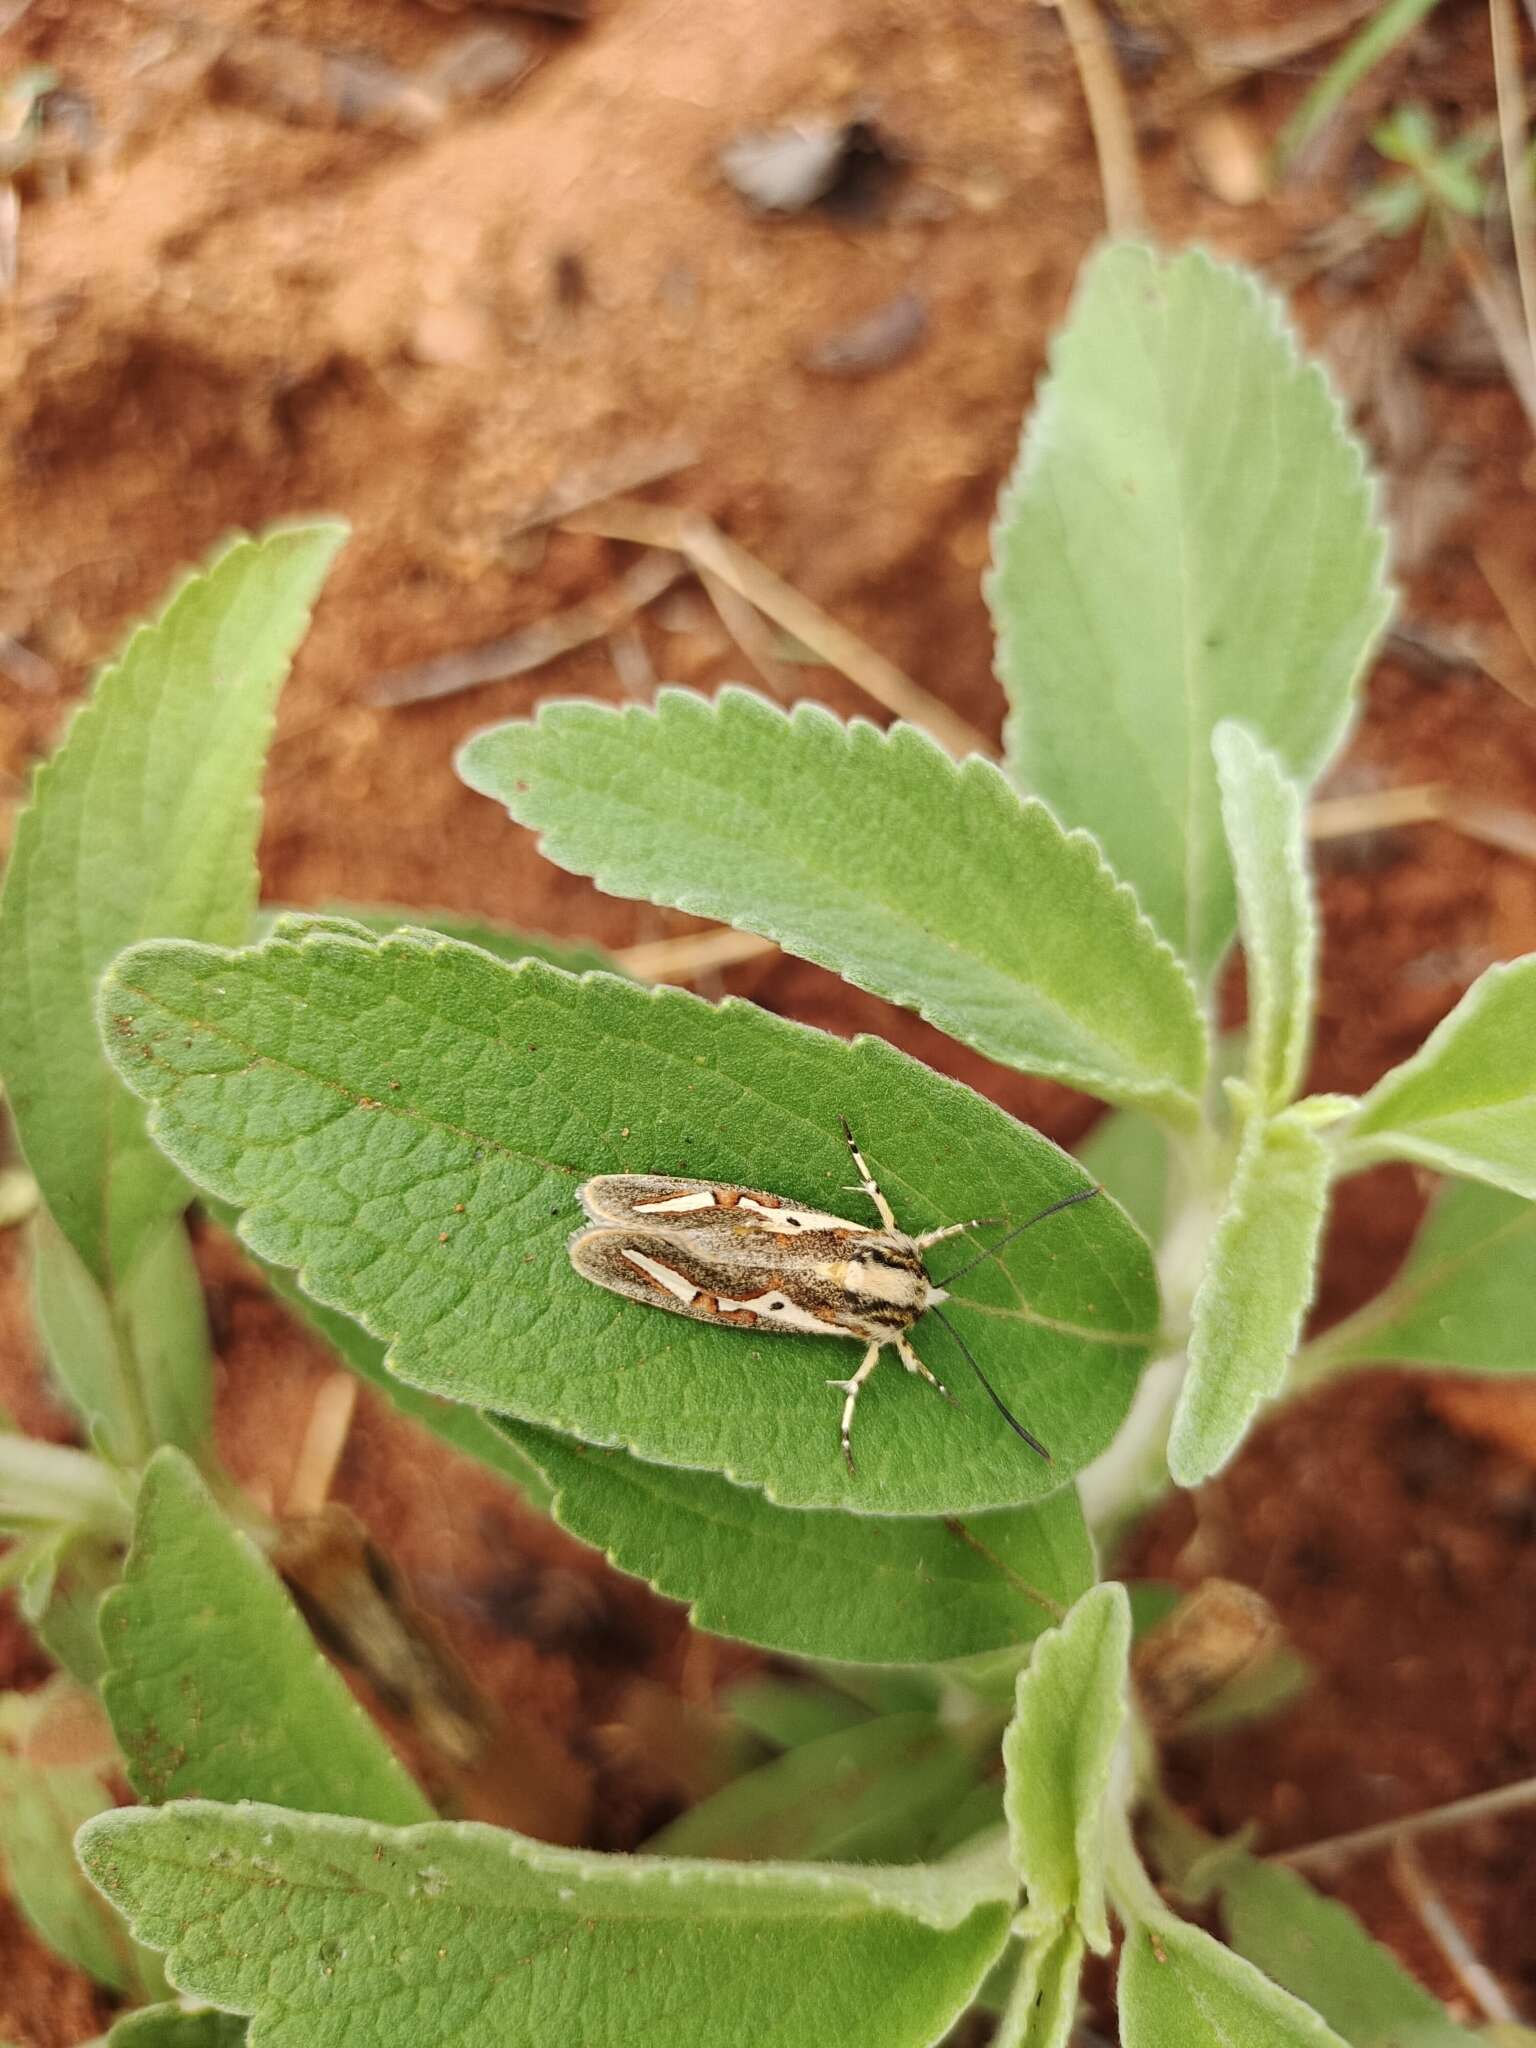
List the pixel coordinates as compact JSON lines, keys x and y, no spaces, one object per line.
{"x":1361,"y":1841}
{"x":52,"y":1485}
{"x":1505,"y":34}
{"x":1477,"y":1980}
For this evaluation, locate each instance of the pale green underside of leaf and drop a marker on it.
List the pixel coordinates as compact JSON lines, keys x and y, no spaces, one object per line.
{"x":407,"y":1122}
{"x":1265,"y":825}
{"x":40,"y":1809}
{"x":873,"y":854}
{"x":1043,"y":2005}
{"x":880,"y":1792}
{"x":1465,"y":1298}
{"x":1179,"y":1988}
{"x":173,"y":2026}
{"x":1189,"y":536}
{"x":1466,"y":1102}
{"x":786,"y":1712}
{"x":1317,"y":1950}
{"x":144,"y":1377}
{"x":337,"y":1934}
{"x":857,"y":1588}
{"x":1058,"y":1750}
{"x":1127,"y":1153}
{"x":1253,"y":1296}
{"x":214,"y":1685}
{"x":504,"y":940}
{"x":142,"y":825}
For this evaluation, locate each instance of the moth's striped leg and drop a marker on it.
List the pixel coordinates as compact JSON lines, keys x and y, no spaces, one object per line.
{"x":953,"y":1230}
{"x":913,"y":1363}
{"x":867,"y":1180}
{"x":851,"y":1389}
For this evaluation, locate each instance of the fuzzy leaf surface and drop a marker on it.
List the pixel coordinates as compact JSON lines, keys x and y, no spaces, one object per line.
{"x":337,"y":1934}
{"x":142,"y":825}
{"x":504,"y":940}
{"x":144,"y":1376}
{"x":467,"y":1430}
{"x":406,"y":1122}
{"x":1265,"y":825}
{"x":1042,"y":2006}
{"x":874,"y":854}
{"x":41,"y":1806}
{"x":175,"y":2026}
{"x":1179,"y":1988}
{"x":875,"y":1793}
{"x":1068,"y":1713}
{"x":1188,"y":536}
{"x":1254,"y":1293}
{"x":1464,"y":1299}
{"x":1466,"y":1101}
{"x":1127,"y":1153}
{"x":214,"y":1684}
{"x":854,"y":1588}
{"x":1317,"y":1950}
{"x":784,"y":1713}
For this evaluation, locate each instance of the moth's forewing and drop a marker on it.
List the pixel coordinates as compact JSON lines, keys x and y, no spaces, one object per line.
{"x":653,"y":1201}
{"x":607,"y":1255}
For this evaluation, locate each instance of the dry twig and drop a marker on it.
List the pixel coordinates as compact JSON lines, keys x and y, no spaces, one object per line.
{"x":325,"y":1438}
{"x":710,"y":552}
{"x":1509,"y":86}
{"x":1454,"y":1814}
{"x":518,"y":653}
{"x":1477,"y":1980}
{"x":647,"y":462}
{"x":1109,"y":116}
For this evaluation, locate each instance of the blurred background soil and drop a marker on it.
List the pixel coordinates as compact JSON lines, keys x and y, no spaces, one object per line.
{"x":442,"y":270}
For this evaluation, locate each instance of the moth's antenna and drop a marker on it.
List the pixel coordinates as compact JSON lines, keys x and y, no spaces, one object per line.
{"x":993,"y":1251}
{"x":998,"y":1402}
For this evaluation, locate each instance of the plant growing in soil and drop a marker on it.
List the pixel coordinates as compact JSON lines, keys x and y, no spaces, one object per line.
{"x":1187,"y":589}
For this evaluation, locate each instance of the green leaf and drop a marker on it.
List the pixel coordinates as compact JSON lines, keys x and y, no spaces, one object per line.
{"x":1463,"y":1301}
{"x":1265,"y":825}
{"x":464,"y":1429}
{"x":503,"y":940}
{"x":785,"y":1712}
{"x":1253,"y":1295}
{"x":873,"y":854}
{"x":1466,"y":1102}
{"x":876,"y":1793}
{"x":1043,"y":2005}
{"x":174,"y":2026}
{"x":337,"y":1934}
{"x":1127,"y":1153}
{"x":145,"y":1376}
{"x":84,"y":1349}
{"x":61,"y":1597}
{"x":213,"y":1683}
{"x":41,"y":1805}
{"x":143,"y":824}
{"x":1180,"y":1989}
{"x":858,"y":1588}
{"x":1189,"y":536}
{"x":408,"y":1121}
{"x":1318,"y":1950}
{"x":1058,"y":1751}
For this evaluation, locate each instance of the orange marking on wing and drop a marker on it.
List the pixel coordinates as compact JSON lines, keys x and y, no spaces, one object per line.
{"x":727,"y":1198}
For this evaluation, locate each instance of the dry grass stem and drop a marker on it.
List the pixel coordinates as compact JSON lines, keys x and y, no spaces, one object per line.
{"x":709,"y":550}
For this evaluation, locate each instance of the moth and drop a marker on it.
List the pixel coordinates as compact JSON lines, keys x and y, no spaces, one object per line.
{"x":738,"y":1256}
